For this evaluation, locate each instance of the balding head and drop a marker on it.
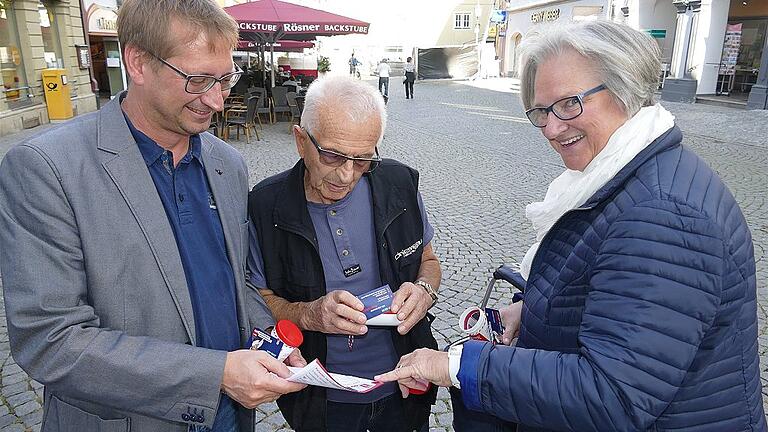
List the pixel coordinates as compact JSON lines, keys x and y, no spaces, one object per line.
{"x":336,"y":102}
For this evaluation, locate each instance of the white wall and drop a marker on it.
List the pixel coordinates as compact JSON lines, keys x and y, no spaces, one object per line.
{"x":106,"y":3}
{"x":519,"y":19}
{"x":661,"y":15}
{"x":708,"y":44}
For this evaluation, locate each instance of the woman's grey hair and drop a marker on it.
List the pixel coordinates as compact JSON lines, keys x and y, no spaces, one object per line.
{"x":627,"y":61}
{"x":359,"y":100}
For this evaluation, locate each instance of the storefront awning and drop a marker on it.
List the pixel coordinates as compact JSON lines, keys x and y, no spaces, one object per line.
{"x":272,"y":20}
{"x":279,"y":46}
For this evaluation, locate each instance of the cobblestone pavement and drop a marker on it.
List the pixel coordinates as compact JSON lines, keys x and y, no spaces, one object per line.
{"x":480,"y":163}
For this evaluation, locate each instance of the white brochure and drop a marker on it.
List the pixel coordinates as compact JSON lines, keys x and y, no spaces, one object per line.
{"x":315,"y":374}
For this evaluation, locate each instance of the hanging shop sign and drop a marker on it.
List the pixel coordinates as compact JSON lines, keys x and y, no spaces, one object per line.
{"x":657,"y":33}
{"x":498,"y":16}
{"x":102,"y":21}
{"x":83,"y":56}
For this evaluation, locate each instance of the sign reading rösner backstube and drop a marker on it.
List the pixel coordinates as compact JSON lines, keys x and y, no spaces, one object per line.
{"x":294,"y":28}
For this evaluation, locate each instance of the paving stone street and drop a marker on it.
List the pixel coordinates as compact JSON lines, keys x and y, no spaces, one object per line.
{"x":481,"y":162}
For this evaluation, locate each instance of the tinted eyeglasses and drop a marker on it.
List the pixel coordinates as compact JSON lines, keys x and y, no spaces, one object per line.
{"x":334,"y":159}
{"x":199,"y":84}
{"x":567,"y":108}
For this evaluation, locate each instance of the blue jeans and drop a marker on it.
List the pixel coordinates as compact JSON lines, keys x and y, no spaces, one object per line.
{"x":466,"y":420}
{"x":383,"y":415}
{"x":226,"y":418}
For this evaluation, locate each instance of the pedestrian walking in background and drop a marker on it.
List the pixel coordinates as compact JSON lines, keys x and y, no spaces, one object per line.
{"x":410,"y":77}
{"x":383,"y":71}
{"x":353,"y":63}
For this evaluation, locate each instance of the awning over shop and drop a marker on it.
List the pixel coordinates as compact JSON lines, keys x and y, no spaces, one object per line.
{"x":272,"y":20}
{"x":279,"y":46}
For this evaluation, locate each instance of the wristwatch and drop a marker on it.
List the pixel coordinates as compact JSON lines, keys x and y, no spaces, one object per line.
{"x":431,"y":291}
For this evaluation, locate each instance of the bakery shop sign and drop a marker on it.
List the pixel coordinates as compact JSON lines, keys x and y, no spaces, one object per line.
{"x":304,"y":28}
{"x":546,"y":15}
{"x":102,"y":21}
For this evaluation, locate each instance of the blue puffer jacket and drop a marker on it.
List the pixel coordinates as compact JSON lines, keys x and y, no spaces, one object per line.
{"x":640,"y":312}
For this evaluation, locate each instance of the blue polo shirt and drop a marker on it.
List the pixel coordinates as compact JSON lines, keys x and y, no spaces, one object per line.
{"x":346,"y":239}
{"x":194,"y":218}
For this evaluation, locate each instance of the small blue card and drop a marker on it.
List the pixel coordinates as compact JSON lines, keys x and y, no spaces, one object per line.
{"x":377,"y":301}
{"x":494,"y":322}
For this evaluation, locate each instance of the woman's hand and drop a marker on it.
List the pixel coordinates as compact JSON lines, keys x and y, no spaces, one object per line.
{"x":417,"y":369}
{"x":510,"y":318}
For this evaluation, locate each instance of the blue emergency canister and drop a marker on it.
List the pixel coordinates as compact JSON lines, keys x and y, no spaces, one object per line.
{"x":282,"y":340}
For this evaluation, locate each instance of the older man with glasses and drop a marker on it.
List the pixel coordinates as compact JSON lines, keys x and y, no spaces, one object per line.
{"x":340,"y":223}
{"x":123,"y":239}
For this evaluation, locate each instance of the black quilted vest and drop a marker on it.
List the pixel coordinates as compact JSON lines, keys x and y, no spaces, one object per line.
{"x":293,"y":270}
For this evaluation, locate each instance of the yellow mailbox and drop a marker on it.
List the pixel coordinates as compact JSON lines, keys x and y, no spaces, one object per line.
{"x":57,"y":97}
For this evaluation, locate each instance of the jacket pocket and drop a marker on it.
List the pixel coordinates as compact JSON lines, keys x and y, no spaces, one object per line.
{"x":408,"y":267}
{"x":61,"y":416}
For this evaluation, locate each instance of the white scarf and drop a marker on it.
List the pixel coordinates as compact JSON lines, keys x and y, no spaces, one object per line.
{"x":572,"y":188}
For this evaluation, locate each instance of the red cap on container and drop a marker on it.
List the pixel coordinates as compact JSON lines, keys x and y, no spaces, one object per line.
{"x":289,"y":333}
{"x":415,"y":391}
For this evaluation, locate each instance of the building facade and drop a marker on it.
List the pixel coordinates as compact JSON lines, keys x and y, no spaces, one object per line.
{"x":726,"y":53}
{"x":100,"y":20}
{"x":36,"y":35}
{"x":467,"y":23}
{"x":655,"y":16}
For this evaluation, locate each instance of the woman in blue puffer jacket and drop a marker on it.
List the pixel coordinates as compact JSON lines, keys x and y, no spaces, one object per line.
{"x":640,"y":307}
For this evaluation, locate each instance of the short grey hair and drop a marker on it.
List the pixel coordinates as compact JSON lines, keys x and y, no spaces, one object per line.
{"x":359,"y":100}
{"x":627,"y":61}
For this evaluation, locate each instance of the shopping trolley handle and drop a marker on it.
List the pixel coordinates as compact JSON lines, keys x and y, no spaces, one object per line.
{"x":511,"y":275}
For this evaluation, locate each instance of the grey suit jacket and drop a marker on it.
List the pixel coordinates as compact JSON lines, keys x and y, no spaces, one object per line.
{"x":96,"y":298}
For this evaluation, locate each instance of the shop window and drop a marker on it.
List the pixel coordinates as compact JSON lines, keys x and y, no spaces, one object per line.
{"x":49,"y":30}
{"x":12,"y":77}
{"x":461,"y":21}
{"x":752,"y":43}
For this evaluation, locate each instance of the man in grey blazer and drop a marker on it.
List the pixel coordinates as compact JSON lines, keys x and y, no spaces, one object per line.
{"x":123,"y":242}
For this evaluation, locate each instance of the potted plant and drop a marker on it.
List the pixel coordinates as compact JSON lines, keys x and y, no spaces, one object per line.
{"x":323,"y":65}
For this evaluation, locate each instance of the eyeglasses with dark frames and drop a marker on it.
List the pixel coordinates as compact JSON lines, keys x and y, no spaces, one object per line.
{"x":567,"y":108}
{"x":334,"y":159}
{"x":199,"y":84}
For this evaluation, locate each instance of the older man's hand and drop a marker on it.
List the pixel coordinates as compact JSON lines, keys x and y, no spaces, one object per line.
{"x":255,"y":377}
{"x":338,"y":312}
{"x":414,"y":370}
{"x":411,"y":303}
{"x":510,"y":318}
